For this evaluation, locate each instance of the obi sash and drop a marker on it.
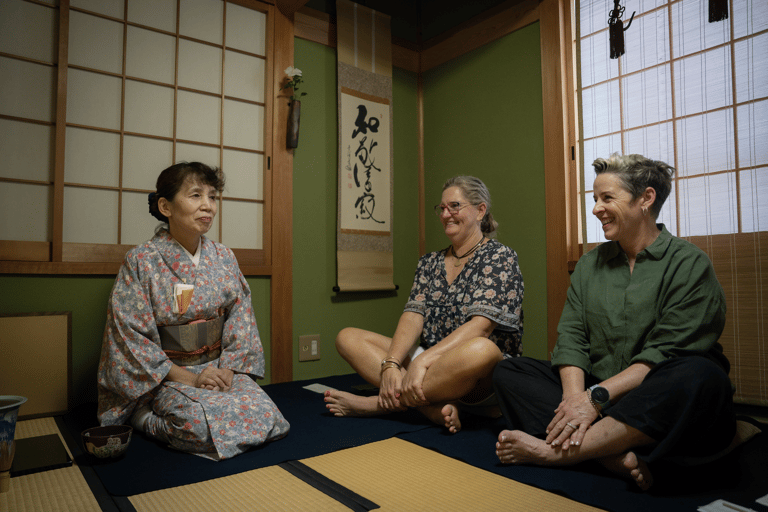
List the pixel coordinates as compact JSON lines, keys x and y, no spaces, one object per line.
{"x":194,"y":343}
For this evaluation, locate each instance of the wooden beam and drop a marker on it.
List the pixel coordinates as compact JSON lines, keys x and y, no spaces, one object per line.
{"x":281,"y":284}
{"x":57,"y":235}
{"x":556,"y":157}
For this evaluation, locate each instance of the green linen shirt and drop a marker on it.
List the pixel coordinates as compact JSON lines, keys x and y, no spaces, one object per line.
{"x":671,"y":305}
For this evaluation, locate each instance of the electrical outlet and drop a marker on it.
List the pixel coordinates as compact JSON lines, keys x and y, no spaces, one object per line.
{"x":309,"y":347}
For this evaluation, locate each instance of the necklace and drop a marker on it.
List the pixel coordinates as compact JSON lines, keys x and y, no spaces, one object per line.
{"x":459,"y":258}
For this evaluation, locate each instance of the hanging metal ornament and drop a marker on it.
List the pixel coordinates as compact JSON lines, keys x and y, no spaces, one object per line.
{"x":718,"y":10}
{"x":616,"y":29}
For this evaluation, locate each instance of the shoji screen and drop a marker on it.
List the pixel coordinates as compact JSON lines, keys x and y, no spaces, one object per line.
{"x":148,"y":83}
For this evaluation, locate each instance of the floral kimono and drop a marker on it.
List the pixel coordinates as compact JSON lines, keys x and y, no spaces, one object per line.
{"x":133,"y":363}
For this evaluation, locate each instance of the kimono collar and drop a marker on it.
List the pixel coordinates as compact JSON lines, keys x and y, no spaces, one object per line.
{"x":175,"y":256}
{"x":655,"y":251}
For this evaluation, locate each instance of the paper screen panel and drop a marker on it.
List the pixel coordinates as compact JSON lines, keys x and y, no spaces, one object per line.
{"x":198,"y":118}
{"x":28,"y":89}
{"x":692,"y":32}
{"x":93,"y":99}
{"x":656,"y":139}
{"x":90,"y":215}
{"x":246,"y":29}
{"x":244,"y":76}
{"x":245,"y":174}
{"x":137,"y":224}
{"x":754,"y":208}
{"x":243,"y":125}
{"x":199,"y":66}
{"x":753,"y":134}
{"x":242,"y":224}
{"x":16,"y":17}
{"x":114,"y":8}
{"x":92,"y":157}
{"x":148,"y":108}
{"x":150,"y":55}
{"x":27,"y":150}
{"x":690,"y":96}
{"x":197,"y":153}
{"x":749,"y":17}
{"x":28,"y":208}
{"x":95,"y":42}
{"x":605,"y":96}
{"x":646,"y":98}
{"x":153,"y":13}
{"x":202,"y":19}
{"x":143,"y":158}
{"x":705,"y":143}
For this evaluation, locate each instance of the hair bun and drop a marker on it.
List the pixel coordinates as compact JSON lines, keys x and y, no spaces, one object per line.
{"x":154,"y":210}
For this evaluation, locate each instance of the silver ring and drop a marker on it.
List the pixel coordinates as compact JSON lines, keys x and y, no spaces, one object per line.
{"x":572,"y":426}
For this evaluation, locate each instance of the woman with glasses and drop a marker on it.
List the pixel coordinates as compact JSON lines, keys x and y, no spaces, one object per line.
{"x":463,"y":316}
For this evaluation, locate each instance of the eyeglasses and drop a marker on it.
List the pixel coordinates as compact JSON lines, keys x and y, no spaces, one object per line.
{"x":453,"y":208}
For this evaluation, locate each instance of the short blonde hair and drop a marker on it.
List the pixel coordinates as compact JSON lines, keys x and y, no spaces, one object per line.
{"x":637,"y":173}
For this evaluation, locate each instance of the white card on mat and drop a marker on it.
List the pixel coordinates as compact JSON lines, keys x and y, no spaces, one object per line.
{"x":317,"y":388}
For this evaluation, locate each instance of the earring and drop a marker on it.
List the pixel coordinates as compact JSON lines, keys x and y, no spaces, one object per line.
{"x":645,"y":210}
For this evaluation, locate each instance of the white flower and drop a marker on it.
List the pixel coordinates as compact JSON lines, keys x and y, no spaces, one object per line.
{"x":292,"y":71}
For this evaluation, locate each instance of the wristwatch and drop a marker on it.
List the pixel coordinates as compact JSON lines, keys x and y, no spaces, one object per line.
{"x":600,"y":398}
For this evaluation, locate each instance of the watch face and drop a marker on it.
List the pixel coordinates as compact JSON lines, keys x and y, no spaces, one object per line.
{"x":600,"y":395}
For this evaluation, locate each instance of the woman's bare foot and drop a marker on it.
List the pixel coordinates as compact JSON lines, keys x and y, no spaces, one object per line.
{"x":341,"y":403}
{"x":517,"y":447}
{"x":443,"y":414}
{"x":628,"y":465}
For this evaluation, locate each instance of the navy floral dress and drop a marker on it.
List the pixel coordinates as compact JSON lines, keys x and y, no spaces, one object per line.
{"x":489,"y":285}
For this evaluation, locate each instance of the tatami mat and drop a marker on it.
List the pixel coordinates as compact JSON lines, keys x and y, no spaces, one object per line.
{"x":266,"y":489}
{"x":395,"y":474}
{"x":399,"y":475}
{"x":58,"y":490}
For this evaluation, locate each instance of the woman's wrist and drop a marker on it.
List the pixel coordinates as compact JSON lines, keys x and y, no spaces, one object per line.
{"x":388,"y":363}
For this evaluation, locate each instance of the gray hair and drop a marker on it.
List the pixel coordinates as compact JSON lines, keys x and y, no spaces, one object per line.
{"x":476,"y":192}
{"x":637,"y":173}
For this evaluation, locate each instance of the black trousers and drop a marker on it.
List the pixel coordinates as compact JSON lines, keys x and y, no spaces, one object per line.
{"x":685,"y":404}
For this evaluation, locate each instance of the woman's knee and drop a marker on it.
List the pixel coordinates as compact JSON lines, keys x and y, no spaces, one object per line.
{"x":511,"y":371}
{"x":695,"y":374}
{"x":481,"y":352}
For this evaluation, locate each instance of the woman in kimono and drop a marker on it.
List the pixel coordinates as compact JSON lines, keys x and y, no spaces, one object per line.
{"x":181,"y":348}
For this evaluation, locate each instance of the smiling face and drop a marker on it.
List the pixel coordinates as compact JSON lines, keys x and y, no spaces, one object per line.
{"x":191,"y":212}
{"x":464,"y":225}
{"x":620,"y":215}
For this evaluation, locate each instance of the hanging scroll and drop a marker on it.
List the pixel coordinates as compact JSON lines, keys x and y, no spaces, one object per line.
{"x":364,"y":248}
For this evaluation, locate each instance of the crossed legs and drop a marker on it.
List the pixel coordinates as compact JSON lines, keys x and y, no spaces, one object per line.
{"x":457,"y":373}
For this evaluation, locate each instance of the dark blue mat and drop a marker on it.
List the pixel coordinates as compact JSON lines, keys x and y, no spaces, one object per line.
{"x":149,"y":466}
{"x":740,"y":477}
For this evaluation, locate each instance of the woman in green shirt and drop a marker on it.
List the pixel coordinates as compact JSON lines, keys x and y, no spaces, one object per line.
{"x":637,"y":373}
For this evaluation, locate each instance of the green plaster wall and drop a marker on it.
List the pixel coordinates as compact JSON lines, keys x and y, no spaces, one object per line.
{"x":483,"y":117}
{"x":86,"y":298}
{"x":317,"y":309}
